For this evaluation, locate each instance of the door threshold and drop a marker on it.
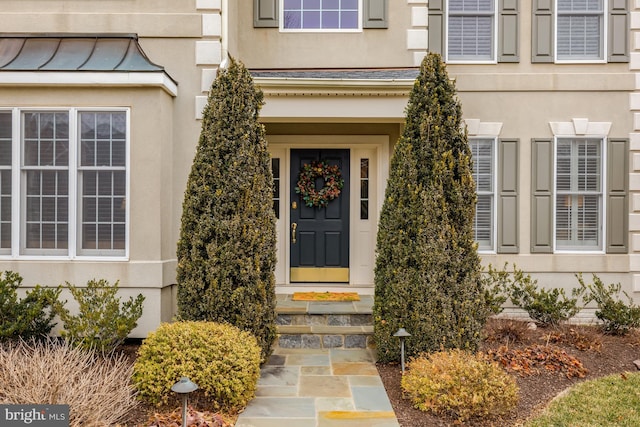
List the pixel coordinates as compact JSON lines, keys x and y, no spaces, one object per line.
{"x":324,"y":287}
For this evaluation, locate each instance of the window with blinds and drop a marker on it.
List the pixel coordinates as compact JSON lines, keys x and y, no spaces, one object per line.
{"x":578,"y":210}
{"x":483,"y":154}
{"x":471,"y":30}
{"x":580,"y":29}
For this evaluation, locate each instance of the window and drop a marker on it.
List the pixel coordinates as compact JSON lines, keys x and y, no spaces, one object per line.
{"x":483,"y":154}
{"x":321,"y":14}
{"x":364,"y":188}
{"x":471,"y":30}
{"x":71,"y":192}
{"x":579,"y":195}
{"x":275,"y":170}
{"x":580,"y":29}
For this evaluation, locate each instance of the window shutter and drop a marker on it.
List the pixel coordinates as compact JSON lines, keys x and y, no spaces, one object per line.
{"x":436,"y":26}
{"x":617,"y":201}
{"x":375,"y":14}
{"x":508,"y":196}
{"x":542,"y":196}
{"x":542,"y":38}
{"x":618,"y":31}
{"x":508,"y":31}
{"x":265,"y":13}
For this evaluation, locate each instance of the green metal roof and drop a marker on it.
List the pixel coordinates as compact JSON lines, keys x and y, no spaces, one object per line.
{"x":73,"y":52}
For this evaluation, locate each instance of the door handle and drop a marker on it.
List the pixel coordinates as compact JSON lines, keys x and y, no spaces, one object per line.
{"x":294,"y":226}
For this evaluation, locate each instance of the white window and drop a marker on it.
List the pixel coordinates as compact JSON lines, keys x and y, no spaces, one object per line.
{"x":321,"y":15}
{"x":471,"y":30}
{"x":71,"y":189}
{"x":483,"y":155}
{"x":579,"y":194}
{"x":580,"y":30}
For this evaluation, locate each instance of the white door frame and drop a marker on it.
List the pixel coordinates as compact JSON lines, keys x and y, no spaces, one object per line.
{"x":362,"y":234}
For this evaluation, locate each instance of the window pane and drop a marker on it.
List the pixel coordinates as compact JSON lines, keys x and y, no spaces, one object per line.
{"x":482,"y":152}
{"x":579,"y":193}
{"x":320,"y":14}
{"x":471,"y":37}
{"x":6,"y":130}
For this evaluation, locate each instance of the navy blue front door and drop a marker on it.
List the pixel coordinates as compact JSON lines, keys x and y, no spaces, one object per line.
{"x":319,"y":235}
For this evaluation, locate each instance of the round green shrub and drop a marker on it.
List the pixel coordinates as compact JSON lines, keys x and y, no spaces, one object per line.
{"x":459,"y":384}
{"x":221,"y":359}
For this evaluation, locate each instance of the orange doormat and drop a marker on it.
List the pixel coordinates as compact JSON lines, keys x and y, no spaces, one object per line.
{"x":325,"y":296}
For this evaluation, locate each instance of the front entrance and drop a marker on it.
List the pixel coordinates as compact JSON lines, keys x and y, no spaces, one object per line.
{"x":319,"y":240}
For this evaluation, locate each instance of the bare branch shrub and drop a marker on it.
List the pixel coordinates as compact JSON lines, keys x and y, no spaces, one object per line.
{"x":97,"y":389}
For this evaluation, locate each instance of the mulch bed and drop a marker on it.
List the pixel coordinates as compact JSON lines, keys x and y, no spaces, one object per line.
{"x":601,"y":355}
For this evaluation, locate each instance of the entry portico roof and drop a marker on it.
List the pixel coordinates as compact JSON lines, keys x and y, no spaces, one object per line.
{"x":107,"y":59}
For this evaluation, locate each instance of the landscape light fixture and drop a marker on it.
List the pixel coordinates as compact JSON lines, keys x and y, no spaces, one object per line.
{"x":402,"y":334}
{"x":184,"y":387}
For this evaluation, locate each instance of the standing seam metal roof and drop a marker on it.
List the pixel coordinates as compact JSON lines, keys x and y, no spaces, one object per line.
{"x":74,"y":52}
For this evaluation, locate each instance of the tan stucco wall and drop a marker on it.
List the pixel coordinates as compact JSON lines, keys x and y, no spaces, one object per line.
{"x":270,"y":48}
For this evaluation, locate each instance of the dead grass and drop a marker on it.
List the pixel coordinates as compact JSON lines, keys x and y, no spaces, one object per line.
{"x":97,"y":389}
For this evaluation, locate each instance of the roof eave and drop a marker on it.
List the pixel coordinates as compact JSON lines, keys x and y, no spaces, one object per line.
{"x":288,"y":86}
{"x":90,"y":78}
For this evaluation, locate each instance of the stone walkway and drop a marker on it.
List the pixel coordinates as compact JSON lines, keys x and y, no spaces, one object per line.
{"x":319,"y":388}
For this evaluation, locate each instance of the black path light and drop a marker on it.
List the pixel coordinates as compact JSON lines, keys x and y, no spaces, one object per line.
{"x":184,"y":387}
{"x":402,"y":334}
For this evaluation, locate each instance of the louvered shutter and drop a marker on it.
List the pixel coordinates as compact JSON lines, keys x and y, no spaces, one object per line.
{"x":508,"y":218}
{"x":542,"y":196}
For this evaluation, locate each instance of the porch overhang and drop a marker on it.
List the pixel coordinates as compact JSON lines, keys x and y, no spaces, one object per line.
{"x":335,"y":95}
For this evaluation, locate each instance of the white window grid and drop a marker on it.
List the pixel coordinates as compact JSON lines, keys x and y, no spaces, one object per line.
{"x":579,"y":204}
{"x":471,"y":31}
{"x":484,"y":156}
{"x":319,"y":30}
{"x":74,"y":205}
{"x":581,"y":31}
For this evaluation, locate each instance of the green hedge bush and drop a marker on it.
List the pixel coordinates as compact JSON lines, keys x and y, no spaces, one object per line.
{"x":618,"y":317}
{"x":102,"y":323}
{"x":220,"y":358}
{"x":29,"y":317}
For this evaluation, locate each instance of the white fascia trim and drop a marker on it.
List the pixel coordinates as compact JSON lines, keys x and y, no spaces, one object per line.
{"x":79,"y":78}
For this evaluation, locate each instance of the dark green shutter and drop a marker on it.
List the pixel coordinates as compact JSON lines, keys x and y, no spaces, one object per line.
{"x":436,"y":26}
{"x":508,"y":31}
{"x":265,"y":13}
{"x":617,"y":199}
{"x":618,"y":31}
{"x":375,"y":14}
{"x":542,"y":34}
{"x":508,"y":218}
{"x":542,"y":196}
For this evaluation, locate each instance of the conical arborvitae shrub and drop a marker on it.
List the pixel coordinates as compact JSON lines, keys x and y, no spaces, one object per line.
{"x":427,"y":274}
{"x":226,"y":252}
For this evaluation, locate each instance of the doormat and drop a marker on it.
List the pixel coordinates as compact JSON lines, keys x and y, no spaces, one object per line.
{"x":325,"y":296}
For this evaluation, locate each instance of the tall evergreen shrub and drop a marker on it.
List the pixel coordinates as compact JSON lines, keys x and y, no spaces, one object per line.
{"x":427,"y":274}
{"x":226,"y":252}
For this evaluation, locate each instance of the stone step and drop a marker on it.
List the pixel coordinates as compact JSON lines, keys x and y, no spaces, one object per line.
{"x":323,"y":336}
{"x":324,"y":324}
